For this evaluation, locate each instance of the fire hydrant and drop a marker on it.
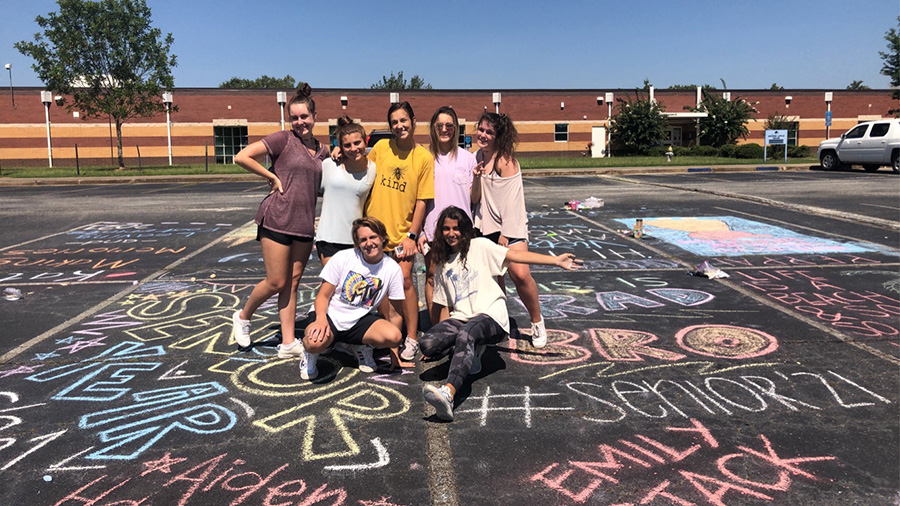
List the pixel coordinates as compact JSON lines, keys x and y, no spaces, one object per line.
{"x":669,"y":154}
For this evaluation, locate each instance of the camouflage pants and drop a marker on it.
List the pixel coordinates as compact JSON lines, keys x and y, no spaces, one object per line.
{"x":461,"y":337}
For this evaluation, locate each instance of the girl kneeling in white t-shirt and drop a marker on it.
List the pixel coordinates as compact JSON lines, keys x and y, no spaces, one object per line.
{"x":472,"y":304}
{"x":354,"y":282}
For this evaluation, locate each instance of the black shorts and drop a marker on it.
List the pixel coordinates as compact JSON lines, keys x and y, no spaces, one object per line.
{"x":495,"y":238}
{"x":353,"y":335}
{"x":328,"y":249}
{"x":278,"y":237}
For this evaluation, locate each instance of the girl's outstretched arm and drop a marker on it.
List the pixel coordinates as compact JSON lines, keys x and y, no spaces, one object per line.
{"x":566,"y":261}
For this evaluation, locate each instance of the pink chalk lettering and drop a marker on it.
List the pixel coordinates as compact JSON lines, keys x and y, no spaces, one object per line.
{"x":556,"y":483}
{"x":629,"y":345}
{"x":660,"y":491}
{"x":715,"y":498}
{"x":700,"y":430}
{"x":788,"y":465}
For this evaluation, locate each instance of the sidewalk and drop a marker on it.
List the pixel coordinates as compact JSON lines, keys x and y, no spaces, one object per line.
{"x":197,"y":178}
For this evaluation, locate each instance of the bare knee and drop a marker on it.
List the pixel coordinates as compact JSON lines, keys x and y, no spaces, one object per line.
{"x":392,"y":337}
{"x":310,"y":347}
{"x":276,"y":285}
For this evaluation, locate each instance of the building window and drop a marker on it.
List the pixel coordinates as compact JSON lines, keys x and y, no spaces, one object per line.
{"x":793,"y":133}
{"x":461,"y":141}
{"x":229,"y":140}
{"x":561,"y":132}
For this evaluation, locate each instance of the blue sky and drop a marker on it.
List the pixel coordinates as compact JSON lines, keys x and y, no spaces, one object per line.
{"x":510,"y":44}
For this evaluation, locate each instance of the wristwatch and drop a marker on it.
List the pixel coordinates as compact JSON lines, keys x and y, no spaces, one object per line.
{"x":412,"y":235}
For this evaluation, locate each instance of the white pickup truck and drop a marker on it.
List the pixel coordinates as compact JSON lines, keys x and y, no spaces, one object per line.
{"x":871,"y":144}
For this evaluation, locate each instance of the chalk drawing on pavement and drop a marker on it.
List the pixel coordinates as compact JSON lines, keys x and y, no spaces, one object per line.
{"x":731,"y":236}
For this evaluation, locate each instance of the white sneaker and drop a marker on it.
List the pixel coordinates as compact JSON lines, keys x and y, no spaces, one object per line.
{"x":365,"y":358}
{"x":476,"y":361}
{"x":410,"y":350}
{"x":308,"y":369}
{"x":294,"y":350}
{"x":441,"y":399}
{"x":240,"y":329}
{"x":538,"y":334}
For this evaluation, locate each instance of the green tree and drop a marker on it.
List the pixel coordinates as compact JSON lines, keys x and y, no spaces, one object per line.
{"x":105,"y":58}
{"x":638,"y":125}
{"x":726,"y":120}
{"x":776,"y":87}
{"x":891,"y":59}
{"x":398,"y":82}
{"x":261,"y":82}
{"x":857,"y":85}
{"x":777,"y":121}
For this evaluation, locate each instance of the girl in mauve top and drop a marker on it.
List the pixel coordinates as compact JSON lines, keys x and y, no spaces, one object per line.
{"x":286,"y":217}
{"x":453,"y":167}
{"x":500,"y":215}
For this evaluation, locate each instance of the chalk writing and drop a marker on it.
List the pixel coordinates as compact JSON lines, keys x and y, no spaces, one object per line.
{"x":486,"y":405}
{"x":614,"y":462}
{"x":222,"y":479}
{"x":863,"y":313}
{"x":717,"y":394}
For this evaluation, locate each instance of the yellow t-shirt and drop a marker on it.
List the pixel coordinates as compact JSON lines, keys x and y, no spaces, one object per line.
{"x":401,"y":178}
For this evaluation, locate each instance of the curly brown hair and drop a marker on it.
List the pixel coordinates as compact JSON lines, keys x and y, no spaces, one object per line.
{"x":506,"y":137}
{"x":440,"y":250}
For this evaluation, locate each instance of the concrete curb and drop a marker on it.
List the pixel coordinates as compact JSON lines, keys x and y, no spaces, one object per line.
{"x":218,"y":178}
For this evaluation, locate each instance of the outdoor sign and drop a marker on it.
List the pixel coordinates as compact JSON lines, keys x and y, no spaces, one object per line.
{"x":775,"y":137}
{"x":828,"y":118}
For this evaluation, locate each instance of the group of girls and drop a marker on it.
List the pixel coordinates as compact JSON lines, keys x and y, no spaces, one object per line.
{"x":415,"y":200}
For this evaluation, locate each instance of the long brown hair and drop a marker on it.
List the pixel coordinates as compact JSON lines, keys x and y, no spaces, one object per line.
{"x":506,"y":137}
{"x":440,"y":250}
{"x":435,"y":141}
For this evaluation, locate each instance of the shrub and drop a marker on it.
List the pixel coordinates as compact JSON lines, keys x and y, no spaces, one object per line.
{"x":751,"y":150}
{"x":727,"y":151}
{"x":798,"y":151}
{"x":704,"y":151}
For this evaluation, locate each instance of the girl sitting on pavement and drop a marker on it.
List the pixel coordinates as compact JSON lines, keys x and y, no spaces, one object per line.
{"x":354,"y":283}
{"x":472,"y":304}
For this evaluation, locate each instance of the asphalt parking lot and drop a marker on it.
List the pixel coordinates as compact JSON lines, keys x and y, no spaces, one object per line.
{"x":119,"y":383}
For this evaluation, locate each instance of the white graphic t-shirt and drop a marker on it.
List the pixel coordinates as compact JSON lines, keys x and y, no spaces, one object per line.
{"x":359,"y":286}
{"x":470,"y":290}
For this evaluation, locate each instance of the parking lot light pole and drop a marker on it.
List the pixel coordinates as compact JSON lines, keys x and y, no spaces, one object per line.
{"x":12,"y":94}
{"x":167,"y":99}
{"x":281,"y":98}
{"x":609,"y":100}
{"x":47,"y":98}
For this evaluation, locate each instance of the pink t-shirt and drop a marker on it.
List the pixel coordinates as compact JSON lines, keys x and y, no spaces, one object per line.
{"x":452,"y":187}
{"x":294,"y":211}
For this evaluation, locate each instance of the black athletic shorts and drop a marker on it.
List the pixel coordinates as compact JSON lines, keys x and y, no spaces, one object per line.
{"x":495,"y":238}
{"x":278,"y":237}
{"x":328,"y":249}
{"x":353,"y":335}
